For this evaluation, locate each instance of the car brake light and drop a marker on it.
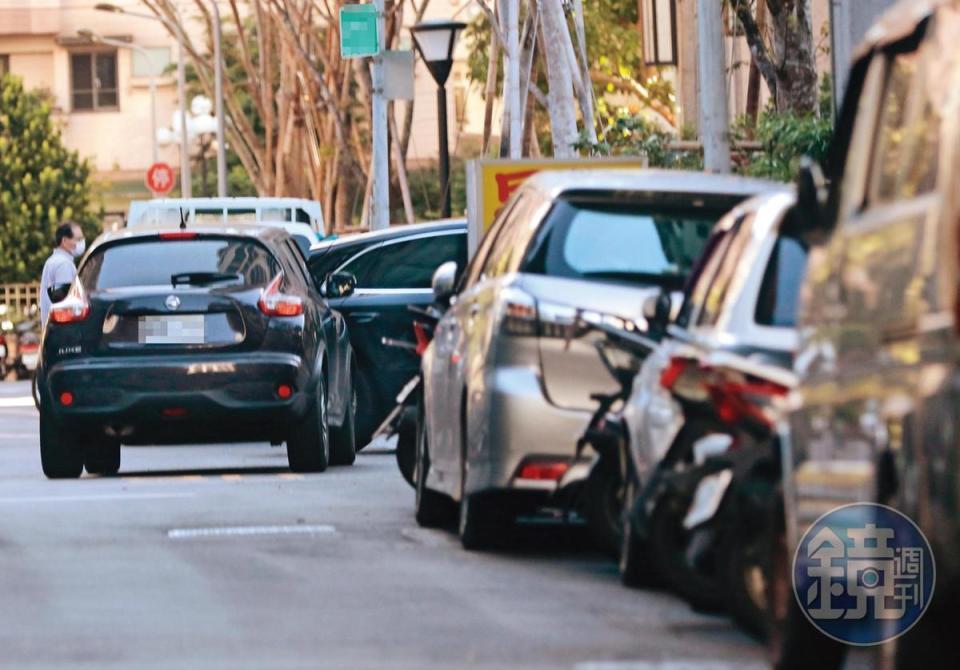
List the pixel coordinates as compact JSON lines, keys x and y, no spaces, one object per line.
{"x":734,"y":401}
{"x":519,"y":313}
{"x":72,"y":309}
{"x":284,"y":391}
{"x":66,"y":398}
{"x":274,"y":303}
{"x":543,"y":470}
{"x":180,"y":235}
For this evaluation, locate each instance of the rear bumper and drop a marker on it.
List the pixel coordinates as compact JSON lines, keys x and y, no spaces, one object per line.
{"x":180,"y":399}
{"x":522,"y":425}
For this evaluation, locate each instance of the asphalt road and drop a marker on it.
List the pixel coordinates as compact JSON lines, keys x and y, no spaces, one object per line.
{"x":219,"y":557}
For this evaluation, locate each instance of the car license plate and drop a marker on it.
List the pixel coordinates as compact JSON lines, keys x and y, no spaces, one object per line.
{"x":179,"y":329}
{"x":706,"y":501}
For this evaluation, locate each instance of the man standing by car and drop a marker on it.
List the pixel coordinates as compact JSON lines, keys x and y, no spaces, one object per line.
{"x":60,"y":268}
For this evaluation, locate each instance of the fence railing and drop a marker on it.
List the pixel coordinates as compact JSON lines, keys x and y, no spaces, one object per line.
{"x":19,"y":300}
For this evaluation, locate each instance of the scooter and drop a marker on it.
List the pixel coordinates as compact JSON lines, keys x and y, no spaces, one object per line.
{"x":402,"y":420}
{"x":621,"y":351}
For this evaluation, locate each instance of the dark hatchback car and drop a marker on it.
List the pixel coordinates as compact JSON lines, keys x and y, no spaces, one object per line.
{"x":393,"y":270}
{"x":178,"y":336}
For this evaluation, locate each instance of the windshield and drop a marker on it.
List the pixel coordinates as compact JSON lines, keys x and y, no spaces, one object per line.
{"x":625,"y":242}
{"x":162,"y":263}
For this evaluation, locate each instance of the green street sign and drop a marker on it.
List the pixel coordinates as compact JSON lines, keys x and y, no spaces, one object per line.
{"x":358,"y":31}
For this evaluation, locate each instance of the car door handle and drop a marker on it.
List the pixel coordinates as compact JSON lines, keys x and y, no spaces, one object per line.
{"x":364,"y":317}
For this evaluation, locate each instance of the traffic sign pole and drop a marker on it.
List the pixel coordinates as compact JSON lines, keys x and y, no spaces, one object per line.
{"x":380,"y":202}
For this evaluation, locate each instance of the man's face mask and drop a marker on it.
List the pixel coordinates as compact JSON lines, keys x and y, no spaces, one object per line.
{"x":79,"y":248}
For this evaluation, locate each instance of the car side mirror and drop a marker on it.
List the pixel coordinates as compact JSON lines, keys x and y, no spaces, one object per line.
{"x":444,"y":281}
{"x":58,"y":292}
{"x":811,"y":192}
{"x":339,"y":285}
{"x":657,"y":310}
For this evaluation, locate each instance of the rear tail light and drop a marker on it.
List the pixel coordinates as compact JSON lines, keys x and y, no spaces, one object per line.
{"x":66,"y":398}
{"x":73,"y":308}
{"x":284,"y":391}
{"x":518,"y":313}
{"x":179,"y":235}
{"x":735,"y":401}
{"x":275,"y":303}
{"x":543,"y":471}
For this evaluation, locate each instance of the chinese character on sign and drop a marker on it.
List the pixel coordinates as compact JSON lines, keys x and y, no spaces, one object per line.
{"x":863,"y":573}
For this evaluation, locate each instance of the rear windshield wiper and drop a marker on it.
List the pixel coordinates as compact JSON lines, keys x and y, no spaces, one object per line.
{"x":203,"y":277}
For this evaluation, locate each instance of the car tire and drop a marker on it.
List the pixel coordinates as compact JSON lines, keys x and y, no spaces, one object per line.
{"x":603,"y":504}
{"x":368,"y":409}
{"x":431,"y":509}
{"x":102,"y":457}
{"x":60,"y":454}
{"x":407,"y":451}
{"x":343,"y":443}
{"x":308,"y":445}
{"x":634,"y":561}
{"x":668,"y":545}
{"x":481,"y":522}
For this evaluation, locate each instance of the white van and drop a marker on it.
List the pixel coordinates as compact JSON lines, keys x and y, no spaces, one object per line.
{"x":303,"y":219}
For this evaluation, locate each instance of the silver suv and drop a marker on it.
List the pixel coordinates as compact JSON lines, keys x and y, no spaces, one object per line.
{"x":508,"y":379}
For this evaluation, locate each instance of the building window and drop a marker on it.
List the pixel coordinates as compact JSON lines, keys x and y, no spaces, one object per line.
{"x":659,"y":32}
{"x":4,"y":64}
{"x":93,"y":80}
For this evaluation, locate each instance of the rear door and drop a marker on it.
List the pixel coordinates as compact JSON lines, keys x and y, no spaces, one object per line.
{"x":607,"y":253}
{"x":390,"y":279}
{"x":177,"y":293}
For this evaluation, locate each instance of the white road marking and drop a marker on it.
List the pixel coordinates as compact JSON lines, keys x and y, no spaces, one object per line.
{"x":23,"y":401}
{"x":678,"y":664}
{"x":246,"y":531}
{"x":96,"y":497}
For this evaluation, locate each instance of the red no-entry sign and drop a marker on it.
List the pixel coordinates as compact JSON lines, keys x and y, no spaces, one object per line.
{"x":160,"y":178}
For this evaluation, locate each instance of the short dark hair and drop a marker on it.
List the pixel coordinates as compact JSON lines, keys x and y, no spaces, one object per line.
{"x":64,"y":230}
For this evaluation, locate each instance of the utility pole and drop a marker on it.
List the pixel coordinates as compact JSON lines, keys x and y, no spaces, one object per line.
{"x":380,"y":200}
{"x":714,"y":111}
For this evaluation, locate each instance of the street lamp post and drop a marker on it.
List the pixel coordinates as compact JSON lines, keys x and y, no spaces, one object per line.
{"x":100,"y":39}
{"x":185,"y":180}
{"x":435,"y":41}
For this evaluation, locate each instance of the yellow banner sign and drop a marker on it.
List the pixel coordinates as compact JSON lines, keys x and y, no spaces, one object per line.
{"x":496,"y":180}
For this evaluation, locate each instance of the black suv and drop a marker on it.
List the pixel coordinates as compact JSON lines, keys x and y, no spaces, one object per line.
{"x":173,"y":336}
{"x":393,"y":269}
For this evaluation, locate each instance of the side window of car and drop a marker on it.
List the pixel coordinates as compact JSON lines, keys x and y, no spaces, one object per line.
{"x":699,"y":282}
{"x":510,"y":245}
{"x":908,"y":132}
{"x":720,"y":286}
{"x":478,"y":262}
{"x":299,"y":262}
{"x":778,"y":299}
{"x":409,"y":264}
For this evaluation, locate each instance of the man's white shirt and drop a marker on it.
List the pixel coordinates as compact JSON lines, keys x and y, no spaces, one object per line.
{"x":59,"y":269}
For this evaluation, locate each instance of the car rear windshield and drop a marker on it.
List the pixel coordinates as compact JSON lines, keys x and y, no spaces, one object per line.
{"x":653,"y":241}
{"x":161,"y":263}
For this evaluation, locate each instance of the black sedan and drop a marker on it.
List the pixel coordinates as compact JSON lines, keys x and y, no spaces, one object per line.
{"x":393,"y":269}
{"x":176,"y":336}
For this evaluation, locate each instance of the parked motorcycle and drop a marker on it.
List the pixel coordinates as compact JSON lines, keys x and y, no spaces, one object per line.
{"x":621,"y":350}
{"x":402,"y":420}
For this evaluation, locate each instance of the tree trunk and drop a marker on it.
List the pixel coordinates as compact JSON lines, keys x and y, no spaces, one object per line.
{"x":560,"y":101}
